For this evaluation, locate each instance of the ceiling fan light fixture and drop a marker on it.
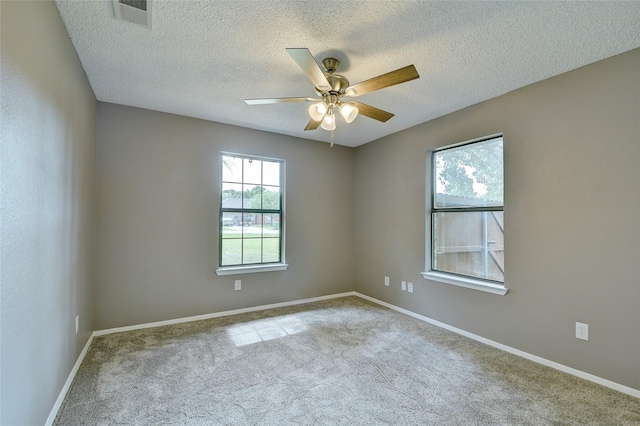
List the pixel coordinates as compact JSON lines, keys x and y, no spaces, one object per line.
{"x":329,"y":121}
{"x":317,"y":111}
{"x":331,"y":87}
{"x":348,"y":112}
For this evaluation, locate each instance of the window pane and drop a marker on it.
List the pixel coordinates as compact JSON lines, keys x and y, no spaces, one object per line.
{"x":231,"y":196}
{"x":231,"y":169}
{"x":271,"y":198}
{"x":470,"y":175}
{"x":469,"y":243}
{"x":271,"y":250}
{"x":231,"y":252}
{"x":251,"y":197}
{"x":251,"y":250}
{"x":252,"y":171}
{"x":228,"y":223}
{"x":271,"y":227}
{"x":270,"y":173}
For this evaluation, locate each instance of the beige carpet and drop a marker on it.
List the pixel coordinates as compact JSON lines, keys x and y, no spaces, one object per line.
{"x":339,"y":362}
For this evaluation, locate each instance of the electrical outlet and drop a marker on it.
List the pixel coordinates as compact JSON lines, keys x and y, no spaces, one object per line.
{"x":403,"y":285}
{"x":77,"y":323}
{"x":582,"y":331}
{"x":410,"y":287}
{"x":386,"y":281}
{"x":238,"y":284}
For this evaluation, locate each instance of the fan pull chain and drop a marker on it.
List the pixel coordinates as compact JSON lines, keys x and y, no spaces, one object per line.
{"x":331,"y":139}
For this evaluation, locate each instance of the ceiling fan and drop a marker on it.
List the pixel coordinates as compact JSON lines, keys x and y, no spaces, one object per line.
{"x":333,"y":87}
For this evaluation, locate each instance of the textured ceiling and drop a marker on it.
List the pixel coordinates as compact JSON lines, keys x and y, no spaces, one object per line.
{"x":203,"y":58}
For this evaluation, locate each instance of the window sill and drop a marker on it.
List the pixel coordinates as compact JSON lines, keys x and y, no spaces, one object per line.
{"x":465,"y":282}
{"x":237,"y":270}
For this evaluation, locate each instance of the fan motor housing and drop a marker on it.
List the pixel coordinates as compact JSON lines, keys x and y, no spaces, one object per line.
{"x":338,"y":83}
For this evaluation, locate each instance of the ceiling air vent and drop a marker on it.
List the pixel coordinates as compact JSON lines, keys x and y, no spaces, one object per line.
{"x":136,"y":11}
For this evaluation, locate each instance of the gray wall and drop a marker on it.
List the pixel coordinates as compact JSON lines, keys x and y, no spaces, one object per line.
{"x":572,"y":203}
{"x":158,"y":201}
{"x":48,"y":209}
{"x":572,"y":154}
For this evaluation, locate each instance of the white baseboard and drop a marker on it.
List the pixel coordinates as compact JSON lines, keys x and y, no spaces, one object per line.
{"x":534,"y":358}
{"x":526,"y":355}
{"x":67,"y":384}
{"x":220,"y":314}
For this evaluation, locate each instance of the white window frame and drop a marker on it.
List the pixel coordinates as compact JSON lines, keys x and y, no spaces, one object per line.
{"x":259,"y":267}
{"x":440,"y":276}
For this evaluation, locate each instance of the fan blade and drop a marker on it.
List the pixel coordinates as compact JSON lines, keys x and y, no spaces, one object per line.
{"x":372,"y":112}
{"x":309,"y":66}
{"x":392,"y":78}
{"x":312,"y":125}
{"x":278,"y":100}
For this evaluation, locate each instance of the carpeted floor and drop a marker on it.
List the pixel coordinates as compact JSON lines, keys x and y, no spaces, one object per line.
{"x":338,"y":362}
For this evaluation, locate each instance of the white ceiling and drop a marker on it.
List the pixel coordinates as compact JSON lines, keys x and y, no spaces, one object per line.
{"x":203,"y":58}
